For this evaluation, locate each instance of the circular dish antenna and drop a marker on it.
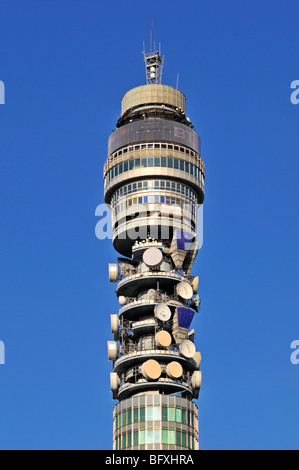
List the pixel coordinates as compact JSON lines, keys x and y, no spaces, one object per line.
{"x":163,"y":339}
{"x":187,"y":348}
{"x":112,"y":350}
{"x":152,"y":294}
{"x":114,"y":381}
{"x":122,"y":300}
{"x":196,"y":379}
{"x":174,"y":370}
{"x":152,"y":257}
{"x":197,"y":359}
{"x":114,"y":324}
{"x":113,"y":272}
{"x":184,"y":290}
{"x":151,"y":369}
{"x":162,"y":312}
{"x":195,"y":284}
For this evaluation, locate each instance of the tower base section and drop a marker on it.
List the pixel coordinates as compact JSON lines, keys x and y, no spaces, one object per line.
{"x":155,"y":422}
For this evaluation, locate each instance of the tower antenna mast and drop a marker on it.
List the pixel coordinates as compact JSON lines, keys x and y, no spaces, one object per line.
{"x":153,"y":64}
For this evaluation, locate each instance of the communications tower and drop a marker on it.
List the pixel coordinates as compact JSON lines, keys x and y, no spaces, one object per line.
{"x":154,"y":183}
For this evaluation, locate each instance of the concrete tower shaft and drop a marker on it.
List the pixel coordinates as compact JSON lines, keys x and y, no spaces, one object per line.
{"x":154,"y":183}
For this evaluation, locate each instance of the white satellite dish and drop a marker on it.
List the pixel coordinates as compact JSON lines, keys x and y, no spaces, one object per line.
{"x":122,"y":300}
{"x":113,"y":272}
{"x":114,"y":324}
{"x":184,"y":290}
{"x":196,"y":379}
{"x":162,"y":312}
{"x":197,"y":359}
{"x":151,"y":369}
{"x":195,"y":284}
{"x":152,"y":257}
{"x":174,"y":370}
{"x":187,"y":348}
{"x":113,"y":350}
{"x":152,"y":294}
{"x":114,"y":381}
{"x":163,"y":339}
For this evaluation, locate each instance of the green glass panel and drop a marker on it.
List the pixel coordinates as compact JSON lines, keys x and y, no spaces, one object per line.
{"x":178,"y":415}
{"x":142,"y":437}
{"x":135,"y":437}
{"x":135,"y":415}
{"x":124,"y":418}
{"x":157,"y":413}
{"x":142,"y":413}
{"x":129,"y":439}
{"x":164,"y":413}
{"x":129,"y":416}
{"x":150,"y":436}
{"x":183,"y":439}
{"x":171,"y":437}
{"x":149,"y":413}
{"x":123,"y":444}
{"x":164,"y":436}
{"x":157,"y":436}
{"x":184,"y":417}
{"x":170,"y":414}
{"x":178,"y":438}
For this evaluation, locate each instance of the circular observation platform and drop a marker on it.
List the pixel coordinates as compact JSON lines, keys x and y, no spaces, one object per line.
{"x":161,"y":355}
{"x":141,"y":308}
{"x":125,"y":236}
{"x":165,"y":385}
{"x":132,"y":285}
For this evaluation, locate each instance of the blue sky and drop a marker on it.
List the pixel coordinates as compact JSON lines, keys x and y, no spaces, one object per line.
{"x":66,"y":65}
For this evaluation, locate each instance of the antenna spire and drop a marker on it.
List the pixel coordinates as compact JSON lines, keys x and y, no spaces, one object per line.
{"x":153,"y":64}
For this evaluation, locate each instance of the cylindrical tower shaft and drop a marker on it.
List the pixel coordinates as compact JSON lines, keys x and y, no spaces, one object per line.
{"x":154,"y":183}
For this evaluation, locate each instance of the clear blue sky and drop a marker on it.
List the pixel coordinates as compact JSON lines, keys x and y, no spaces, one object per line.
{"x":66,"y":65}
